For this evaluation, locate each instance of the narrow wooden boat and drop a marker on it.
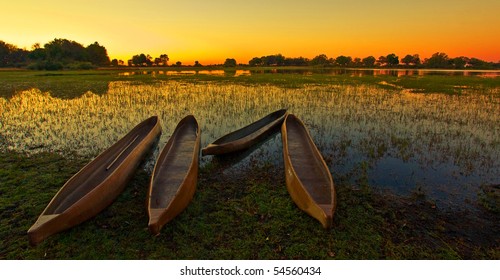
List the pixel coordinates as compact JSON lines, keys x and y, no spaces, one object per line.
{"x":175,"y":175}
{"x":308,"y":178}
{"x":97,"y":184}
{"x":247,"y":136}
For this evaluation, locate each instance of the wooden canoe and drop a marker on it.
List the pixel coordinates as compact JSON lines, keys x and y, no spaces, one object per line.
{"x":308,"y":178}
{"x":97,"y":184}
{"x":175,"y":175}
{"x":247,"y":136}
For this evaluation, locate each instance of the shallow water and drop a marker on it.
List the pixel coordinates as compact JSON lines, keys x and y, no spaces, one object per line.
{"x":353,"y":72}
{"x":445,"y":146}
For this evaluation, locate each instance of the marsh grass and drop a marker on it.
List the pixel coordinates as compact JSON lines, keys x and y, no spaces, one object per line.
{"x":350,"y":123}
{"x":51,"y":125}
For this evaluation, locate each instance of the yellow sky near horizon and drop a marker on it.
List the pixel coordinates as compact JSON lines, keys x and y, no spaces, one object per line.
{"x":211,"y":31}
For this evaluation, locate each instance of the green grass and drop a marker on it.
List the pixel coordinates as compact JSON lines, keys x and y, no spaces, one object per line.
{"x":245,"y":216}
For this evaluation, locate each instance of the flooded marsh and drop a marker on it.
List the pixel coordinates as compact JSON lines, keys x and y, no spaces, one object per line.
{"x":446,"y":146}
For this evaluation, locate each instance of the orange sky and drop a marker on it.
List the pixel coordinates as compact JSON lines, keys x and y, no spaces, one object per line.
{"x":211,"y":31}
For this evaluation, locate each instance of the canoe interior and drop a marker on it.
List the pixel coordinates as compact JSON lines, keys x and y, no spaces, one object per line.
{"x":306,"y":163}
{"x":99,"y":169}
{"x":249,"y":129}
{"x":173,"y":165}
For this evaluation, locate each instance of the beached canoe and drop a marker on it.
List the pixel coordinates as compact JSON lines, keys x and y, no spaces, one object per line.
{"x":97,"y":184}
{"x":175,"y":175}
{"x":308,"y":178}
{"x":247,"y":136}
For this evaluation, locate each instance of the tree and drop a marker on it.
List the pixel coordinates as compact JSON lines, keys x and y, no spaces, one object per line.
{"x":382,"y":60}
{"x":37,"y":53}
{"x":66,"y":51}
{"x":97,"y":54}
{"x":478,"y":63}
{"x":460,"y":62}
{"x":164,"y":59}
{"x":320,"y":60}
{"x":438,"y":60}
{"x":297,"y":61}
{"x":6,"y":51}
{"x":343,"y":60}
{"x":230,"y":62}
{"x":256,"y":61}
{"x":392,"y":59}
{"x":411,"y":59}
{"x":141,"y":60}
{"x":407,"y":60}
{"x":178,"y":63}
{"x":197,"y":64}
{"x":357,"y":62}
{"x":368,"y":61}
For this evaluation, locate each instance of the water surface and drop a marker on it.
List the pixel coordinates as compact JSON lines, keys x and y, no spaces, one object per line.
{"x":445,"y":146}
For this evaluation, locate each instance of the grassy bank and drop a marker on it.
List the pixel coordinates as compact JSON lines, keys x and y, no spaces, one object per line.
{"x":245,"y":215}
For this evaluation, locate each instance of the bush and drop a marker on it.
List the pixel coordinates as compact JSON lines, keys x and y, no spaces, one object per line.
{"x":46,"y":65}
{"x":81,"y":66}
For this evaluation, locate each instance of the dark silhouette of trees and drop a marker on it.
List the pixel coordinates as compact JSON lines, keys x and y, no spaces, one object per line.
{"x":141,"y":60}
{"x":162,"y":60}
{"x":65,"y":51}
{"x":230,"y":62}
{"x":411,"y":60}
{"x":369,"y":61}
{"x":67,"y":54}
{"x":343,"y":60}
{"x":256,"y":61}
{"x":97,"y":54}
{"x":320,"y":60}
{"x":11,"y":56}
{"x":460,"y":62}
{"x":56,"y":54}
{"x":197,"y":64}
{"x":297,"y":61}
{"x":438,"y":60}
{"x":392,"y":59}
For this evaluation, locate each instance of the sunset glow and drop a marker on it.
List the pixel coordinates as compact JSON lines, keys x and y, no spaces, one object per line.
{"x":211,"y":31}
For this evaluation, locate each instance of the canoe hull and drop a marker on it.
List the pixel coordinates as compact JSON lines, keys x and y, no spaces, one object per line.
{"x":175,"y":175}
{"x":247,"y":136}
{"x":308,"y":178}
{"x":100,"y":194}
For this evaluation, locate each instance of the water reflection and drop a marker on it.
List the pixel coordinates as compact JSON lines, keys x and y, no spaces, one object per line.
{"x":352,"y":72}
{"x":446,"y":145}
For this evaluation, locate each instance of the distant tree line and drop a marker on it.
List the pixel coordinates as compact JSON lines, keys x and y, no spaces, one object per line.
{"x":66,"y":54}
{"x":437,"y":60}
{"x":147,"y":60}
{"x":55,"y":55}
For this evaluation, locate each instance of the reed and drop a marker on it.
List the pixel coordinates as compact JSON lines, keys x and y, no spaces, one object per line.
{"x":430,"y":128}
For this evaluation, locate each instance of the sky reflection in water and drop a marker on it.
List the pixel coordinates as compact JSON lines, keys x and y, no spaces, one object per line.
{"x":444,"y":145}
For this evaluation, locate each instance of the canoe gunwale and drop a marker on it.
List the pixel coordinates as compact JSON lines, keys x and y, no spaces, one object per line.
{"x":103,"y":192}
{"x":186,"y":187}
{"x":250,"y":135}
{"x":296,"y":188}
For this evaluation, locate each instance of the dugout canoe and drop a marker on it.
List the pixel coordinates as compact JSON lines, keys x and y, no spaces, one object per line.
{"x":97,"y":184}
{"x":308,"y":178}
{"x":247,"y":136}
{"x":175,"y":175}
